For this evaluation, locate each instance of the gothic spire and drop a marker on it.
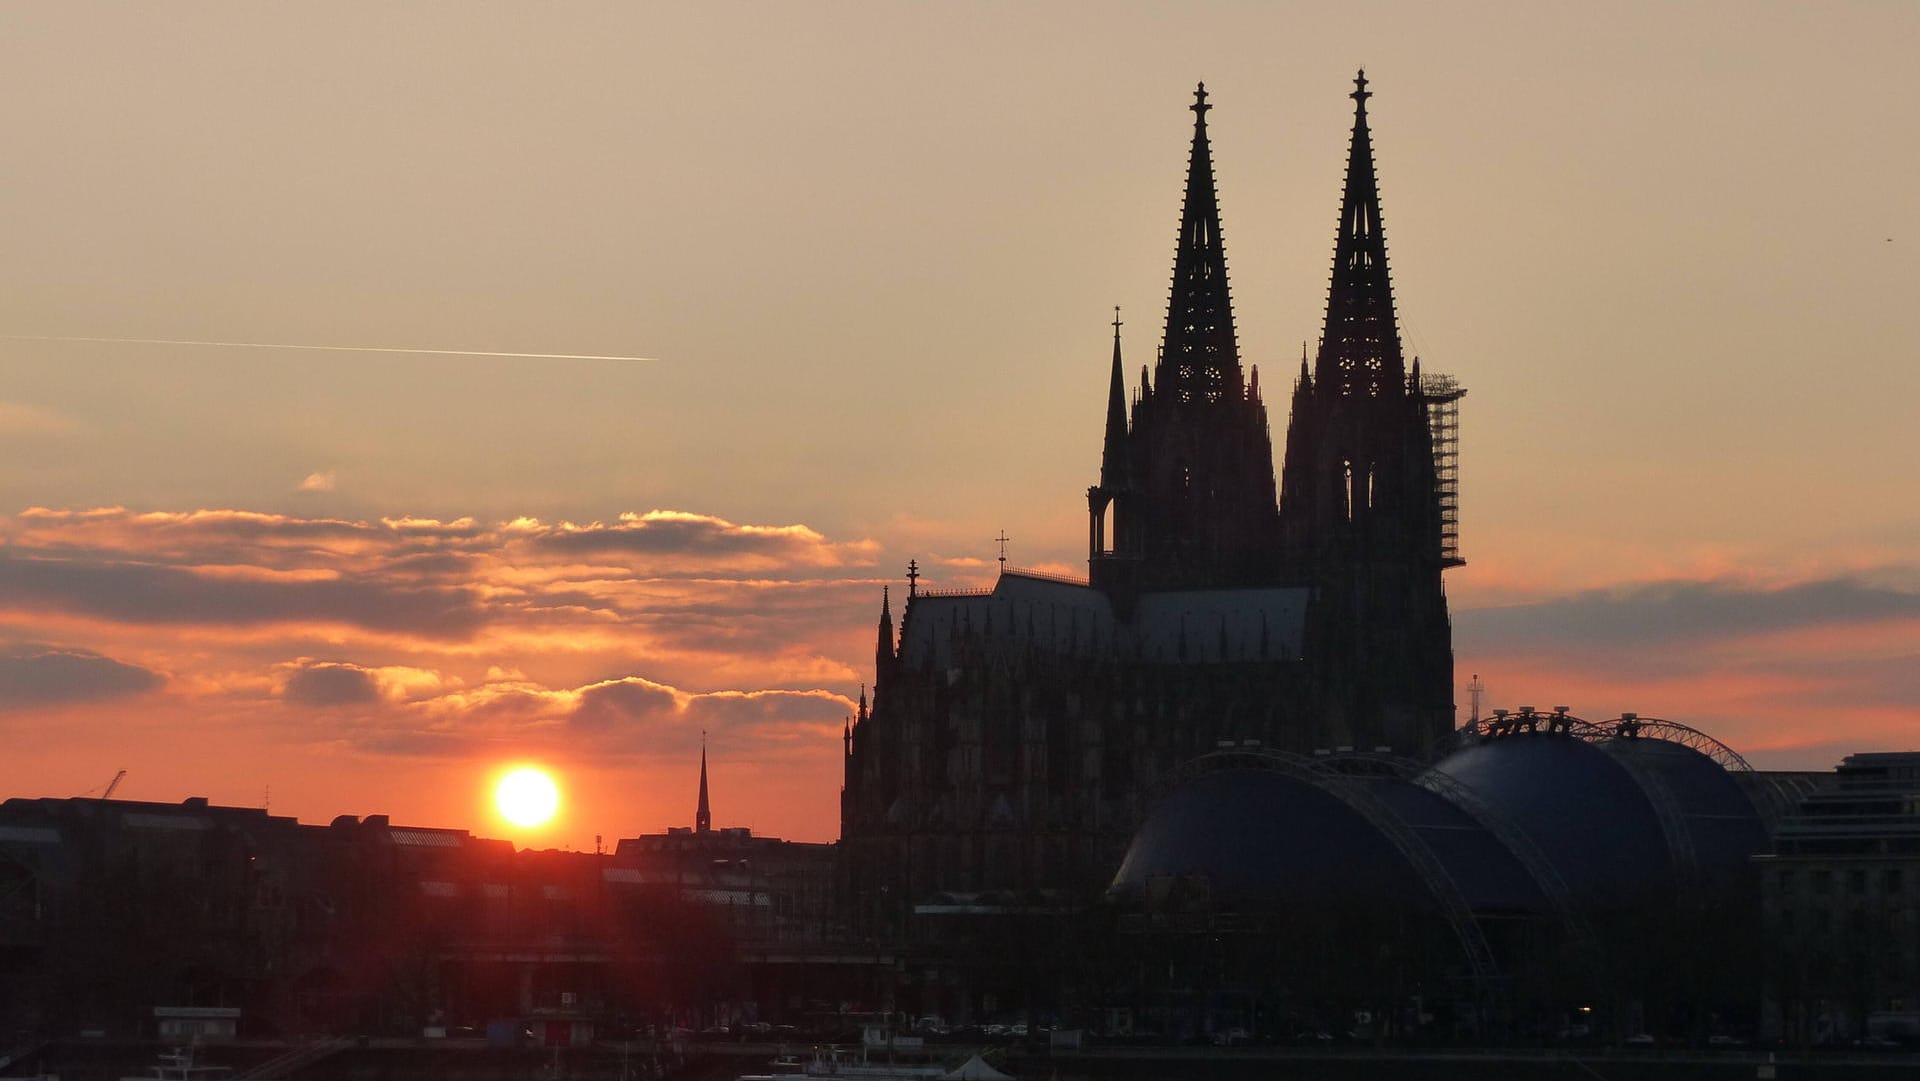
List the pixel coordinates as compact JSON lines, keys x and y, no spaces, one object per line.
{"x":883,"y":647}
{"x":1360,"y":348}
{"x":702,"y":814}
{"x":1113,"y":457}
{"x":1199,"y":358}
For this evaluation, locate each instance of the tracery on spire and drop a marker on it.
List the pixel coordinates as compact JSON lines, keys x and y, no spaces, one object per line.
{"x":1360,"y":347}
{"x":1199,"y":357}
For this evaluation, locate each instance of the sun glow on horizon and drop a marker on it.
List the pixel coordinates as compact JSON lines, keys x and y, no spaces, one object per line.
{"x":527,"y":797}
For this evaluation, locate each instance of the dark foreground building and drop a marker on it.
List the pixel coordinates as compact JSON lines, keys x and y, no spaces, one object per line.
{"x":1545,"y":876}
{"x":1840,"y":895}
{"x":1016,"y":734}
{"x":111,"y":910}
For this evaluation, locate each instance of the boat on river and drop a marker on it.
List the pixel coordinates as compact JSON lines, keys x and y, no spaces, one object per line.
{"x":840,"y":1064}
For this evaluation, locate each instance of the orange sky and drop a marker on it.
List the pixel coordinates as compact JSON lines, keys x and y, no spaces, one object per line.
{"x":872,"y":251}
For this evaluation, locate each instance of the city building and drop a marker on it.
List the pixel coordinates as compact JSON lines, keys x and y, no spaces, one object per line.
{"x":138,"y":919}
{"x":1840,"y":893}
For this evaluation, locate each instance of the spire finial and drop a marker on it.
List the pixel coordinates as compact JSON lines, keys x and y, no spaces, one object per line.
{"x":1360,"y":91}
{"x":1200,"y":105}
{"x":1116,"y":322}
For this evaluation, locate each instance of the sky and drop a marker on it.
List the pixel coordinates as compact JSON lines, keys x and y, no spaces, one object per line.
{"x":867,"y":256}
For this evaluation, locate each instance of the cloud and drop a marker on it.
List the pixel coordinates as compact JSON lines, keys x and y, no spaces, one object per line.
{"x":671,"y":533}
{"x":1668,"y":614}
{"x":703,"y":600}
{"x":356,"y":657}
{"x":629,"y":702}
{"x":322,"y":481}
{"x":331,"y":685}
{"x":642,"y":715}
{"x":44,"y":675}
{"x":1777,"y":668}
{"x":622,"y":718}
{"x":143,"y":593}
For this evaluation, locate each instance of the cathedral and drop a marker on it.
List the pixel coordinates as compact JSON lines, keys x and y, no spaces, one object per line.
{"x":1017,"y":736}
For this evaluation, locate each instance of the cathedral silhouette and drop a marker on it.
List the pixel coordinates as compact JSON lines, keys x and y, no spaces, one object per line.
{"x":1018,"y":735}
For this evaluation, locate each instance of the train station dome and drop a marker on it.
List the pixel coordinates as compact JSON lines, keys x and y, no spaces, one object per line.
{"x":1515,"y":824}
{"x":1260,"y":836}
{"x":1622,"y":819}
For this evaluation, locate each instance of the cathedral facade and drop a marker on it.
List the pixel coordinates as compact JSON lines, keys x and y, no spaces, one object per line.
{"x":1017,"y":735}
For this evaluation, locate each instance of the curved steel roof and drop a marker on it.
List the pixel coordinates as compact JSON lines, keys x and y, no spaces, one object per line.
{"x":1260,"y":837}
{"x":1622,"y":819}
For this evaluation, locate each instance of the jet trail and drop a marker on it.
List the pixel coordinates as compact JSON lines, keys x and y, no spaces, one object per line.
{"x":320,"y":348}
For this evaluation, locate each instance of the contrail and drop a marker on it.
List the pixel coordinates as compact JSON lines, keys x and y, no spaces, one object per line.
{"x":319,"y":348}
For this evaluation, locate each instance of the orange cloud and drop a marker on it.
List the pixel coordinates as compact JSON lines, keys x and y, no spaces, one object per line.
{"x":283,"y":644}
{"x":435,"y":640}
{"x":1798,"y":672}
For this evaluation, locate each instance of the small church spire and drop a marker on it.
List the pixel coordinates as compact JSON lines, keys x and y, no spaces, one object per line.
{"x":702,"y":813}
{"x":1113,"y":456}
{"x":1360,"y":349}
{"x":883,"y":645}
{"x":1200,"y":358}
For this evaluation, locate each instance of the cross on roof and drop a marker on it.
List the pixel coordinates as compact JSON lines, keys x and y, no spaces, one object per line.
{"x":1003,"y":539}
{"x":913,"y":577}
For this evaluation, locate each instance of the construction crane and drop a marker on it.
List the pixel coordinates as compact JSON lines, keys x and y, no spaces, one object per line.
{"x":111,"y":786}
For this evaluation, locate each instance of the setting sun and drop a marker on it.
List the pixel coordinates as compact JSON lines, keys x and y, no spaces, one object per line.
{"x":526,"y":797}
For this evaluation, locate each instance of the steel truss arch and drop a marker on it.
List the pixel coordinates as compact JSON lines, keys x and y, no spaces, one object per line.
{"x":1514,"y":839}
{"x":1625,"y":728}
{"x":1433,"y":873}
{"x":1633,"y":726}
{"x":1521,"y":845}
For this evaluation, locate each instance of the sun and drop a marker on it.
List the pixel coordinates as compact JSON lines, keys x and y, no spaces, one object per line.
{"x":527,"y":797}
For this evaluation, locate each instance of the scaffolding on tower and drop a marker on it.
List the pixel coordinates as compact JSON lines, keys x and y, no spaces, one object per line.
{"x":1443,"y":394}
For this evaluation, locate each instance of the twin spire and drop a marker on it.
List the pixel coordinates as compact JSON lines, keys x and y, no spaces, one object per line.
{"x":1200,"y":357}
{"x":1360,"y":345}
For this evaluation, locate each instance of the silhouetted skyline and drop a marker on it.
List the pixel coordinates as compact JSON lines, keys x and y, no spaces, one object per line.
{"x":874,"y":251}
